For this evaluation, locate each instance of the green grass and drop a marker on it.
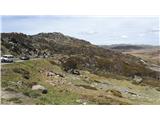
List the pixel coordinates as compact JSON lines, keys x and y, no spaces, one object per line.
{"x":14,"y":73}
{"x":13,"y":80}
{"x":11,"y":101}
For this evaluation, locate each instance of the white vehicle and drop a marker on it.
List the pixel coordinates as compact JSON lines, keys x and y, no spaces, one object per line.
{"x":7,"y":58}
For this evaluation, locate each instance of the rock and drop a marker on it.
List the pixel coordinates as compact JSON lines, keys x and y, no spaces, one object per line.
{"x":41,"y":88}
{"x":133,"y":94}
{"x":45,"y":91}
{"x":50,"y":74}
{"x":137,"y":79}
{"x":143,"y":62}
{"x":19,"y":83}
{"x":59,"y":75}
{"x":74,"y":71}
{"x":38,"y":87}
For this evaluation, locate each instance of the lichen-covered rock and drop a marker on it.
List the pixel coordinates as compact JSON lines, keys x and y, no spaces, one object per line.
{"x":40,"y":88}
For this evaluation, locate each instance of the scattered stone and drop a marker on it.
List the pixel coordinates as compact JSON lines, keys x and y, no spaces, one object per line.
{"x":19,"y":83}
{"x":50,"y":74}
{"x":73,"y":71}
{"x":133,"y":94}
{"x":76,"y":72}
{"x":137,"y":79}
{"x":59,"y":75}
{"x":144,"y":62}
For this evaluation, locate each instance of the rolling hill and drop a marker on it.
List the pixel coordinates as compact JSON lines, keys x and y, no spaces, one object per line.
{"x":72,"y":66}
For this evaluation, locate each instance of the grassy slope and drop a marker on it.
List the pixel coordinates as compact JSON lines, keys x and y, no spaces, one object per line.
{"x":87,"y":87}
{"x":55,"y":95}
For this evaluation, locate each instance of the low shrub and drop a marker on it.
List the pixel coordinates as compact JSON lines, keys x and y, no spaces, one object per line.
{"x":25,"y":74}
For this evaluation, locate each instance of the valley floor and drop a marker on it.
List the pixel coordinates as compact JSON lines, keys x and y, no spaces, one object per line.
{"x":151,"y":55}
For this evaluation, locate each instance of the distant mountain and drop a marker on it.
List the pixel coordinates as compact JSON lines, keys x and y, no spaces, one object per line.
{"x":81,"y":54}
{"x":127,"y":47}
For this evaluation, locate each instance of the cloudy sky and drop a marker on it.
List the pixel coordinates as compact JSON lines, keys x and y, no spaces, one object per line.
{"x":96,"y":29}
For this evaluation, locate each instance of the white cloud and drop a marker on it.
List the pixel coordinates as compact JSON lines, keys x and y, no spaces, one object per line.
{"x":124,"y":36}
{"x":141,"y":34}
{"x":88,"y":33}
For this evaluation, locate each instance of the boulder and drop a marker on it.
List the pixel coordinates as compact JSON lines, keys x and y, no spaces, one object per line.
{"x":37,"y":87}
{"x":40,"y":88}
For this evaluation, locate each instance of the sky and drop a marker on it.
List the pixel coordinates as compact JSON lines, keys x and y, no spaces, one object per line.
{"x":99,"y":30}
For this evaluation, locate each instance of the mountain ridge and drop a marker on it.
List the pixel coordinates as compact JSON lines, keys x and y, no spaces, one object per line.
{"x":82,"y":53}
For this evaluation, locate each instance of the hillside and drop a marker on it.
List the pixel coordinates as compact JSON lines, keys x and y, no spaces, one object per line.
{"x":79,"y":69}
{"x":19,"y":79}
{"x":89,"y":56}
